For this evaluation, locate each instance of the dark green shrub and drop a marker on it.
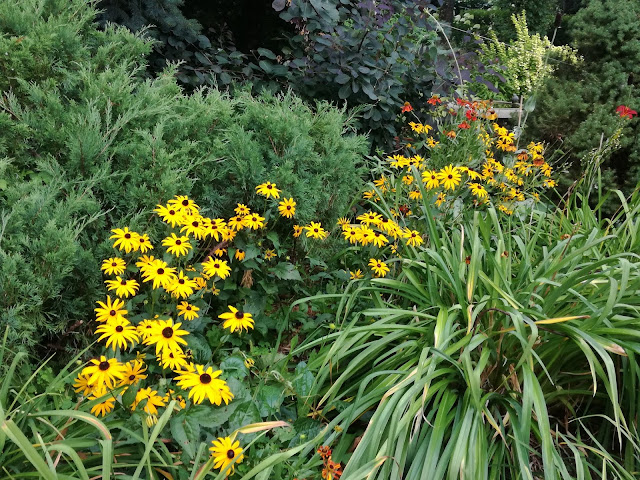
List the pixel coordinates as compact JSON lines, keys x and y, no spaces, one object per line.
{"x":89,"y":145}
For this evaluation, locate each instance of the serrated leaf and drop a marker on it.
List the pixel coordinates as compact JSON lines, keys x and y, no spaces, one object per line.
{"x":303,"y":381}
{"x":286,"y":271}
{"x":186,"y":431}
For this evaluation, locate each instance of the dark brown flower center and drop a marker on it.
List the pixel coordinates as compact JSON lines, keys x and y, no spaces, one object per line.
{"x":114,"y":264}
{"x":132,"y":378}
{"x":216,"y":265}
{"x":104,"y":366}
{"x":195,"y":224}
{"x":181,"y":281}
{"x":171,"y":355}
{"x":119,"y":328}
{"x":112,"y":313}
{"x":141,"y":240}
{"x":189,"y":307}
{"x":205,"y":378}
{"x":127,"y":235}
{"x":239,"y":315}
{"x":315,"y":230}
{"x":185,"y":203}
{"x":269,"y":186}
{"x":123,"y":282}
{"x":178,"y":242}
{"x":230,"y":454}
{"x":288,"y":207}
{"x":160,"y":271}
{"x":450,"y":177}
{"x":167,"y":332}
{"x":172,"y":212}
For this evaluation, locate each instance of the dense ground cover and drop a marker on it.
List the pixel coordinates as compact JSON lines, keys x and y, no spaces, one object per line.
{"x":223,"y":285}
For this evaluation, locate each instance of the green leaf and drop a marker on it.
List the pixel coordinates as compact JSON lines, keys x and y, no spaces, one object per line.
{"x":286,"y":271}
{"x":303,"y":381}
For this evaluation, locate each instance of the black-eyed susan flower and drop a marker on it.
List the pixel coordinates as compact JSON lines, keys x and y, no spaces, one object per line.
{"x":81,"y":385}
{"x":188,"y":311}
{"x":125,"y":239}
{"x":173,"y":360}
{"x":110,"y":310}
{"x":430,"y":179}
{"x":297,"y":231}
{"x":440,"y":199}
{"x":183,"y":202}
{"x":145,"y":328}
{"x":226,"y":452}
{"x":166,"y":335}
{"x":216,"y":227}
{"x":342,"y":222}
{"x":356,"y":274}
{"x":215,"y":266}
{"x":103,"y":371}
{"x":149,"y":399}
{"x":287,"y":207}
{"x":144,"y":261}
{"x":379,"y":268}
{"x":195,"y":225}
{"x":144,"y":244}
{"x":478,"y":190}
{"x":350,"y":234}
{"x":113,"y":266}
{"x":159,"y":272}
{"x":177,"y":245}
{"x":105,"y":405}
{"x":228,"y":234}
{"x":413,"y":237}
{"x":170,"y":215}
{"x":449,"y":177}
{"x":204,"y":383}
{"x":364,"y":235}
{"x":269,"y":254}
{"x":268,"y":189}
{"x":133,"y":373}
{"x":118,"y":333}
{"x":315,"y":230}
{"x":236,"y":223}
{"x":124,"y":287}
{"x":253,"y":221}
{"x":379,"y":240}
{"x":236,"y":320}
{"x":182,"y":403}
{"x":181,"y":286}
{"x":369,"y":218}
{"x":240,"y":254}
{"x":249,"y":362}
{"x":242,"y":210}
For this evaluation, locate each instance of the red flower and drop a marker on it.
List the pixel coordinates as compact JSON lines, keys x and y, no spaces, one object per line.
{"x":625,"y":111}
{"x":434,"y":100}
{"x":464,"y":125}
{"x":407,"y":107}
{"x":471,"y":115}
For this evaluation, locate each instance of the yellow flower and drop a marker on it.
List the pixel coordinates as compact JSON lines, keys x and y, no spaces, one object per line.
{"x":379,"y":240}
{"x":430,"y":179}
{"x":379,"y":268}
{"x":113,"y":266}
{"x":342,"y":222}
{"x":287,"y":207}
{"x":416,"y":127}
{"x":215,"y":266}
{"x":356,"y":275}
{"x":118,"y":333}
{"x":183,"y":202}
{"x":169,"y":215}
{"x":145,"y":328}
{"x":549,"y":183}
{"x":253,"y":221}
{"x":315,"y":230}
{"x":236,"y":320}
{"x":236,"y":223}
{"x":216,"y":227}
{"x":109,"y":310}
{"x":413,"y":237}
{"x":150,"y":399}
{"x":177,"y":245}
{"x":449,"y":177}
{"x":81,"y":384}
{"x":440,"y":198}
{"x":104,"y":371}
{"x":269,"y":254}
{"x":240,"y":254}
{"x":158,"y":272}
{"x":226,"y":452}
{"x":181,"y":286}
{"x":268,"y":189}
{"x":242,"y":210}
{"x":133,"y":373}
{"x":173,"y":360}
{"x":351,"y":234}
{"x":166,"y":335}
{"x":364,"y":235}
{"x":124,"y":288}
{"x":106,"y":405}
{"x":125,"y":239}
{"x":431,"y":143}
{"x":249,"y":362}
{"x":188,"y":311}
{"x":478,"y":190}
{"x":297,"y":231}
{"x":196,"y":226}
{"x":203,"y":383}
{"x":369,"y":217}
{"x":143,"y":243}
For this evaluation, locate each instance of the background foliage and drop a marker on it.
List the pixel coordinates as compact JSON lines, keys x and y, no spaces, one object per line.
{"x":88,"y":144}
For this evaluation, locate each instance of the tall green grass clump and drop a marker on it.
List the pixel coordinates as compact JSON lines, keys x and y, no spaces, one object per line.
{"x":88,"y":144}
{"x":505,"y":348}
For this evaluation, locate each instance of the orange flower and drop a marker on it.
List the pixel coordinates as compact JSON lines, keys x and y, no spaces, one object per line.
{"x":407,"y":107}
{"x":622,"y":110}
